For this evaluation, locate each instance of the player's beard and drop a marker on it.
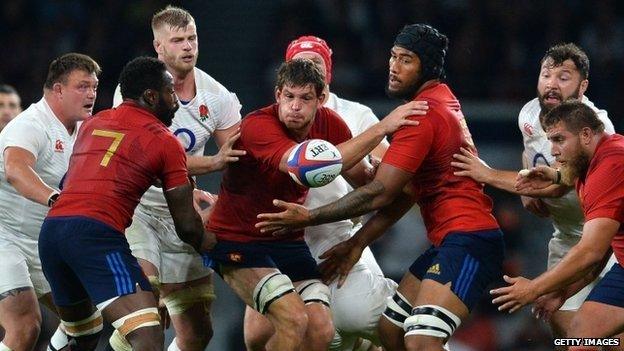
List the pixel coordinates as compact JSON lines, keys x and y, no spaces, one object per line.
{"x":165,"y":113}
{"x":407,"y":93}
{"x":574,"y":168}
{"x":546,"y":108}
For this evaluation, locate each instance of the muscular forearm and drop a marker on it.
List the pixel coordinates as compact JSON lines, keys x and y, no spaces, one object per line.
{"x":576,"y":265}
{"x":375,"y":227}
{"x":354,"y":150}
{"x":592,"y":274}
{"x":198,"y":165}
{"x":356,"y":203}
{"x":28,"y":183}
{"x":504,"y":180}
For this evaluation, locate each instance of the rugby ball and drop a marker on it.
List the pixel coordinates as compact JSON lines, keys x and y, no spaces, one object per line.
{"x":314,"y":163}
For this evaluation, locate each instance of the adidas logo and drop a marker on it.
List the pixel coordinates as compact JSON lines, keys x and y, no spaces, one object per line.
{"x":435,"y":269}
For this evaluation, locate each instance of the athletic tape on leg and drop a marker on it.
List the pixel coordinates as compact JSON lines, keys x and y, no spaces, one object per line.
{"x":269,"y":289}
{"x":398,"y":309}
{"x":88,"y":326}
{"x":313,"y":290}
{"x":179,"y":301}
{"x":431,"y":320}
{"x":147,"y":317}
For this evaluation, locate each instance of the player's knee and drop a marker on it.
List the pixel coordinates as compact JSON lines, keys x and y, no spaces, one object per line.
{"x":320,"y":328}
{"x":146,"y":339}
{"x":390,"y":335}
{"x":423,"y":343}
{"x":294,"y":323}
{"x":24,"y":327}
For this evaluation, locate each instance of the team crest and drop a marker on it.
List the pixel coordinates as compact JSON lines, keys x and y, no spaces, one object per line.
{"x":203,"y":113}
{"x":528,"y":129}
{"x":58,"y":146}
{"x":235,"y":257}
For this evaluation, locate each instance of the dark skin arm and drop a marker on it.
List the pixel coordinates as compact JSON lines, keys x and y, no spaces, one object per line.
{"x":341,"y":257}
{"x":187,"y":221}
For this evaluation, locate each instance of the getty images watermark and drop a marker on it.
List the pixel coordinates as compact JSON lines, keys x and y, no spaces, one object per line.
{"x":587,"y":342}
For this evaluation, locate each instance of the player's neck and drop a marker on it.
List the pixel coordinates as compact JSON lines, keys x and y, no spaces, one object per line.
{"x":183,"y":84}
{"x":57,"y":110}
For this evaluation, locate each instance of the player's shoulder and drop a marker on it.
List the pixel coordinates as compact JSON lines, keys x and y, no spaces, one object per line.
{"x":342,"y":104}
{"x":35,"y":118}
{"x":207,"y":84}
{"x":530,"y":111}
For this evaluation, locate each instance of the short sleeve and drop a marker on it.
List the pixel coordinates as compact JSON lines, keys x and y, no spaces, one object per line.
{"x":410,"y":145}
{"x":229,"y":110}
{"x":174,"y":172}
{"x":117,"y":99}
{"x":604,"y":118}
{"x":23,"y":134}
{"x":604,"y":190}
{"x":265,"y":140}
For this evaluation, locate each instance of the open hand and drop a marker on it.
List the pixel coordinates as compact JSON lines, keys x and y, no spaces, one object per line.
{"x":536,"y":178}
{"x":294,"y":216}
{"x":546,"y":305}
{"x":398,"y":117}
{"x":227,"y":154}
{"x":338,"y":261}
{"x":514,"y":296}
{"x":471,"y":166}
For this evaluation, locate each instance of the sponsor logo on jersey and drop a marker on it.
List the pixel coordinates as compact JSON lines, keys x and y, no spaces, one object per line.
{"x":435,"y":269}
{"x":235,"y":257}
{"x":528,"y":129}
{"x":203,"y":113}
{"x":58,"y":146}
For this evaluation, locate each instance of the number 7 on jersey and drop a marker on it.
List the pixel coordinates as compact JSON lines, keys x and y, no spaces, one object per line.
{"x":117,"y":137}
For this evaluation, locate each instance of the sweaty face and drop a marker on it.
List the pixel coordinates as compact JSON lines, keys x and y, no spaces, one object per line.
{"x":78,"y":94}
{"x":167,"y":102}
{"x":177,"y":47}
{"x":403,"y":80}
{"x":297,"y":106}
{"x":9,"y":108}
{"x":568,"y":151}
{"x":314,"y":57}
{"x":559,"y":83}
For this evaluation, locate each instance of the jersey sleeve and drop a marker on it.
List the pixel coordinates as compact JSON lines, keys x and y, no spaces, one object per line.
{"x":410,"y":145}
{"x":173,"y":172}
{"x":21,"y":133}
{"x":265,"y":141}
{"x":117,"y":99}
{"x":229,"y":110}
{"x":604,"y":118}
{"x":604,"y":192}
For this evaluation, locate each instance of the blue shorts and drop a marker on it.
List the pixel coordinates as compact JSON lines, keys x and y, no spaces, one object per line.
{"x":292,"y":258}
{"x":610,"y":289}
{"x":83,"y":258}
{"x":470,"y":261}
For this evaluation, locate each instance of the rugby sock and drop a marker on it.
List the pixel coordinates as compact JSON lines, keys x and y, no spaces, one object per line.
{"x":58,"y":340}
{"x":173,"y":346}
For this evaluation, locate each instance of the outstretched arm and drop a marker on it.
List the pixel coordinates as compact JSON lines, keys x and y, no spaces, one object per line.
{"x":340,"y":258}
{"x":388,"y":183}
{"x":577,"y":263}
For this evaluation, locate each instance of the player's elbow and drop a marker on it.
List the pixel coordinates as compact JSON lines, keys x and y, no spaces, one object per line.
{"x":11,"y":173}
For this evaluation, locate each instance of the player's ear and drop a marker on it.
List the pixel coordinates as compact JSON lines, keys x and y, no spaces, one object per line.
{"x":277,"y":93}
{"x":150,"y":97}
{"x":583,"y":87}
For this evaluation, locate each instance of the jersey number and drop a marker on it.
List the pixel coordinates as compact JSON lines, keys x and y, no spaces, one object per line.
{"x":117,"y":137}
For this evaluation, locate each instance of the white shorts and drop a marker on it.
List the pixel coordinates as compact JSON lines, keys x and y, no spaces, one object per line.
{"x":358,"y":304}
{"x":153,"y":238}
{"x":21,"y":266}
{"x":559,"y":247}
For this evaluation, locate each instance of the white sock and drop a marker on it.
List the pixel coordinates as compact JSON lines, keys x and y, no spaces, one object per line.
{"x":58,"y":340}
{"x":173,"y":346}
{"x":3,"y":347}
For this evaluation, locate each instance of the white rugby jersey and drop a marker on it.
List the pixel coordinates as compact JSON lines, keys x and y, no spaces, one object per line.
{"x":566,"y":211}
{"x":212,"y":108}
{"x":40,"y":132}
{"x":322,"y":237}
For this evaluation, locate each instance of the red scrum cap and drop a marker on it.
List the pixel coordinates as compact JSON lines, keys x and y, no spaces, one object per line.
{"x":310,"y":43}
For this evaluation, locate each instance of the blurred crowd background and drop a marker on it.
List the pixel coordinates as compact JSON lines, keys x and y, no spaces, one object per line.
{"x":492,"y":65}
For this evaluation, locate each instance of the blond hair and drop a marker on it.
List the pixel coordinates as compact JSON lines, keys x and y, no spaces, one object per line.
{"x":175,"y":17}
